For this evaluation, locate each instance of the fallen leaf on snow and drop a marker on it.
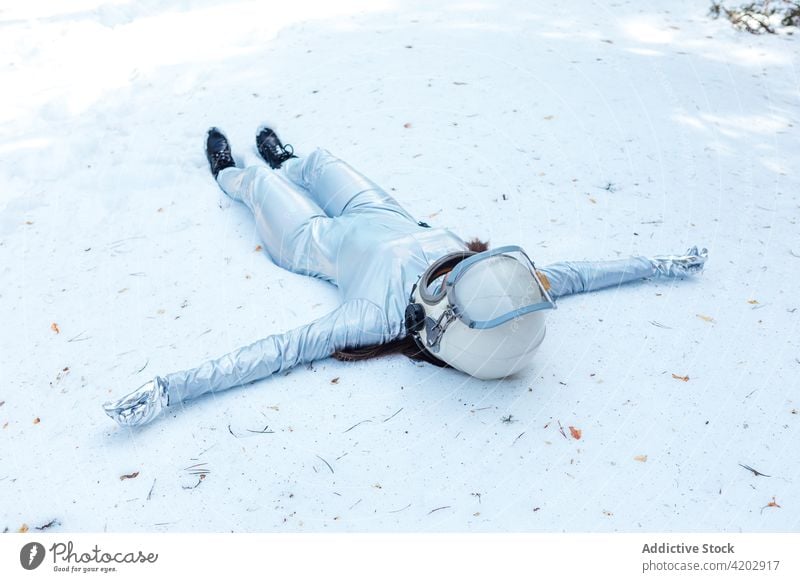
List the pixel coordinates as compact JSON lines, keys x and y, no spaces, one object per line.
{"x":684,"y":378}
{"x":37,"y":420}
{"x":707,"y":318}
{"x":54,"y":327}
{"x":575,"y":432}
{"x":335,"y":380}
{"x":407,"y":125}
{"x":129,"y":476}
{"x":259,"y":248}
{"x":640,"y":458}
{"x":24,"y":528}
{"x":772,"y":503}
{"x":753,"y":302}
{"x":592,"y":200}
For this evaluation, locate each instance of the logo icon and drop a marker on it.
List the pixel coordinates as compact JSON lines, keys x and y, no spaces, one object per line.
{"x":31,"y":555}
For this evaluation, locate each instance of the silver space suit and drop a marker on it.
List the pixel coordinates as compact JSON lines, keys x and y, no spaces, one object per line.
{"x":318,"y":216}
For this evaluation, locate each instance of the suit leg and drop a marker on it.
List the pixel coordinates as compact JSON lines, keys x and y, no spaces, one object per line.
{"x":294,"y":229}
{"x":337,"y":187}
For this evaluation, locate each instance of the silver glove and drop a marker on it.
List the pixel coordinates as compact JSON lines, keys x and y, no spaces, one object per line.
{"x":680,"y":265}
{"x":140,"y":406}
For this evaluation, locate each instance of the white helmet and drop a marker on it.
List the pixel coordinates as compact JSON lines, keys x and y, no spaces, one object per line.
{"x":481,"y":313}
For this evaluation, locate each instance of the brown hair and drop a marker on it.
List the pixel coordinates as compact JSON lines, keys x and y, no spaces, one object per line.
{"x":407,"y":345}
{"x":477,"y":245}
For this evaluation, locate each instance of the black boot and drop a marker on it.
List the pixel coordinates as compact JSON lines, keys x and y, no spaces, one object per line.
{"x":218,"y":151}
{"x":271,"y":148}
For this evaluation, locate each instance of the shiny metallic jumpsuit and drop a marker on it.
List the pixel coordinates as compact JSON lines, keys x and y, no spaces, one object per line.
{"x":320,"y":217}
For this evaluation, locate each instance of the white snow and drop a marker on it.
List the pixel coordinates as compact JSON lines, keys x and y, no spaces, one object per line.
{"x":581,"y":130}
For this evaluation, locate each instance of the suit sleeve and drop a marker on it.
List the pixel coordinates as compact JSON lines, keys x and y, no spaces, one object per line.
{"x":584,"y":276}
{"x":572,"y":277}
{"x":356,"y":323}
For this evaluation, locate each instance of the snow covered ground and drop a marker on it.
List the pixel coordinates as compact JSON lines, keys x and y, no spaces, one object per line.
{"x":579,"y":130}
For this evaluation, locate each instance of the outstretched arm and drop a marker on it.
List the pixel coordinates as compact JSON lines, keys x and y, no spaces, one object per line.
{"x":355,"y":323}
{"x":584,"y":276}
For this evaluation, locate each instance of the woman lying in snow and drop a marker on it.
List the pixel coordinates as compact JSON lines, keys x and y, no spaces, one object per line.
{"x":404,"y":286}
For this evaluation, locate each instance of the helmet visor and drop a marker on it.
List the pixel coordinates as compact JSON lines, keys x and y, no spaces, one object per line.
{"x":496,"y":286}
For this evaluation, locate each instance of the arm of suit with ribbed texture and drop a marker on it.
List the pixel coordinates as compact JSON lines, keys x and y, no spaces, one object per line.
{"x":583,"y":276}
{"x":353,"y":324}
